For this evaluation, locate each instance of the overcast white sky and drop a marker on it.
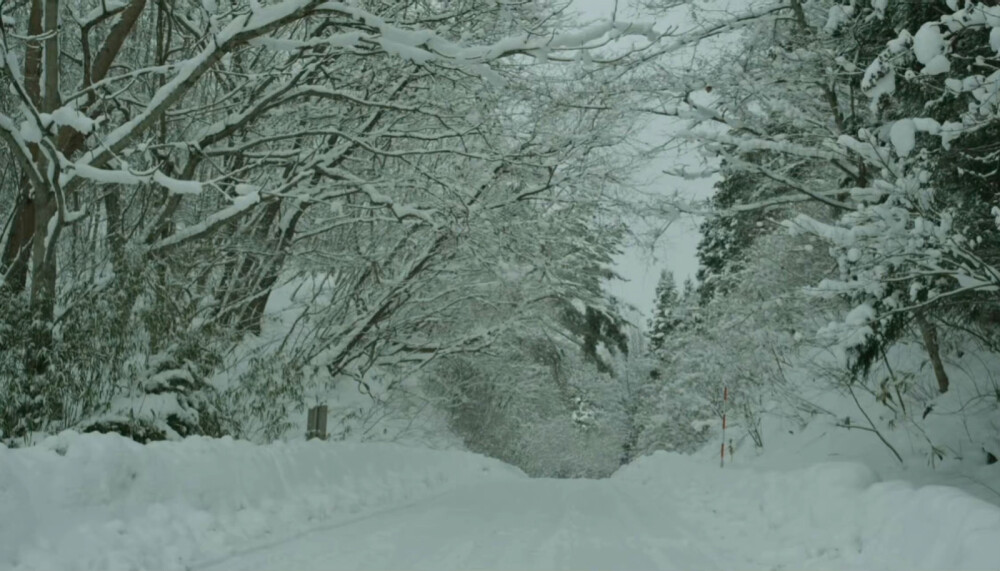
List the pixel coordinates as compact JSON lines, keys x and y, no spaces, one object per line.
{"x":676,"y":248}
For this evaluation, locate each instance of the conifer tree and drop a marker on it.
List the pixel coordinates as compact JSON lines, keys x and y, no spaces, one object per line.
{"x":666,"y":317}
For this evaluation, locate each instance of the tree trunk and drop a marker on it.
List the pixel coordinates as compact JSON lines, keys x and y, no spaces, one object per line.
{"x":43,"y":247}
{"x":253,"y":314}
{"x":243,"y":270}
{"x":15,"y":258}
{"x":929,"y":333}
{"x":800,"y":16}
{"x":33,"y":54}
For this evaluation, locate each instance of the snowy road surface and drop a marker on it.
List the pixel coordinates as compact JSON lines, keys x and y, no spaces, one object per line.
{"x":668,"y":512}
{"x":526,"y":524}
{"x":94,"y":502}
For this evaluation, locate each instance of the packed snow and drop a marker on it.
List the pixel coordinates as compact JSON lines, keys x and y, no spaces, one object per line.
{"x":103,"y":502}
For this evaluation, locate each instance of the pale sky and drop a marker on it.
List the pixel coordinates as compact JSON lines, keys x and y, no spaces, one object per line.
{"x":676,"y":248}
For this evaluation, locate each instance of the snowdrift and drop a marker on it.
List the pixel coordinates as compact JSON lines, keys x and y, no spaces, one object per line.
{"x":828,"y":516}
{"x":93,"y":501}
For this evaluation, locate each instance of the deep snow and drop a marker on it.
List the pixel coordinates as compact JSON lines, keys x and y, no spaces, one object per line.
{"x":103,"y":502}
{"x":92,"y":501}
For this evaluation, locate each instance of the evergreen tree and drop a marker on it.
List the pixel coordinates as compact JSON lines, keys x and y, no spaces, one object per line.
{"x":688,"y":312}
{"x":666,"y":315}
{"x":725,"y":237}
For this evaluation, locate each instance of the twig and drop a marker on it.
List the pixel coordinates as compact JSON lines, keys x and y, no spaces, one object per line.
{"x":850,"y":389}
{"x":980,"y":483}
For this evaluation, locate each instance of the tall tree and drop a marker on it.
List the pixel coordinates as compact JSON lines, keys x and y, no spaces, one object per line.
{"x":667,"y":311}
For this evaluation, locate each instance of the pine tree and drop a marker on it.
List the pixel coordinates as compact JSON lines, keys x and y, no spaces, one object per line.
{"x":688,"y":312}
{"x":726,"y":237}
{"x":666,"y":317}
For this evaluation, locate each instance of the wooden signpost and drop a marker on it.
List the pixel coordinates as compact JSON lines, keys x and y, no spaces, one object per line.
{"x":316,"y":424}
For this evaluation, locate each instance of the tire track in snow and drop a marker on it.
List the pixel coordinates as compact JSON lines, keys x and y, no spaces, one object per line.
{"x":523,"y":524}
{"x":273,"y":542}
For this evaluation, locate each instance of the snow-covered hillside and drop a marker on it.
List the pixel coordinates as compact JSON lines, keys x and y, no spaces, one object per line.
{"x":104,"y":502}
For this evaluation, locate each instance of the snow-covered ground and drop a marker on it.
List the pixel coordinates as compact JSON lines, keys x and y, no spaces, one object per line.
{"x":941,"y":439}
{"x":103,"y":502}
{"x":91,"y":501}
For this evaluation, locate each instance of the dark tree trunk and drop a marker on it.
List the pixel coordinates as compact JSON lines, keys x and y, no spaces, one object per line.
{"x":271,"y":271}
{"x":46,"y":224}
{"x":929,"y":334}
{"x":16,"y":256}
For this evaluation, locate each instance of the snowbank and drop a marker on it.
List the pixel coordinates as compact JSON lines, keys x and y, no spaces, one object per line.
{"x":828,"y":516}
{"x":92,"y":501}
{"x":943,"y":439}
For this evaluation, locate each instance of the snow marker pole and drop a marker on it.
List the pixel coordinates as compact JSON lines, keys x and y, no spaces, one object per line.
{"x":722,"y":450}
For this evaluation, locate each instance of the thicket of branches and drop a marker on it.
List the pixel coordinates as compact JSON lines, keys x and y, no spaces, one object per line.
{"x":169,"y":165}
{"x":857,"y":208}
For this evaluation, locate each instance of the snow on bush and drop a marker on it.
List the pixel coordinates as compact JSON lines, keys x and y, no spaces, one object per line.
{"x":92,"y":501}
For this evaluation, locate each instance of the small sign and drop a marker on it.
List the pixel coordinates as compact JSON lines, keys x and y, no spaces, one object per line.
{"x":316,"y":423}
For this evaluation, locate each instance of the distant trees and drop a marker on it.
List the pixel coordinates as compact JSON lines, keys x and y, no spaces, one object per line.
{"x":673,"y":311}
{"x":539,"y":399}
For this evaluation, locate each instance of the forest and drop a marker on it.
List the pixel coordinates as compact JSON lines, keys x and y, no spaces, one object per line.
{"x":217,"y":214}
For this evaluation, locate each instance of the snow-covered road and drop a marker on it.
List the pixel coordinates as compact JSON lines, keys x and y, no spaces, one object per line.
{"x":521,"y":524}
{"x":667,"y":513}
{"x":89,"y":502}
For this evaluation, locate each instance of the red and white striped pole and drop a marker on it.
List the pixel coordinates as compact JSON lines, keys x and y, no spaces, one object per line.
{"x":722,"y":450}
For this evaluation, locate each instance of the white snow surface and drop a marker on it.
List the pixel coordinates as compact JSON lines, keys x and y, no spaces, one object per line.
{"x":103,"y":502}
